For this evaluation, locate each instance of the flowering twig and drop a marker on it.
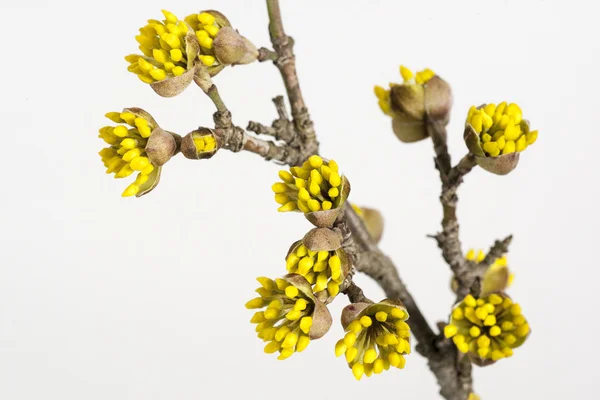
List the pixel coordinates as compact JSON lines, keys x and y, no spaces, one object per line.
{"x":484,"y":326}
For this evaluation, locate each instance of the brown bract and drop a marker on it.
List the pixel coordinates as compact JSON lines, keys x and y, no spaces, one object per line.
{"x":231,"y":48}
{"x":322,"y":239}
{"x":321,"y":316}
{"x":174,"y":85}
{"x":151,"y":183}
{"x":326,"y":218}
{"x":413,"y":104}
{"x":188,"y":147}
{"x":161,"y":146}
{"x":355,"y":311}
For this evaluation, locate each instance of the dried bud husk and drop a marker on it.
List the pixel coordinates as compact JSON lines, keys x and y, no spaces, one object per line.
{"x":322,"y":239}
{"x":326,"y":218}
{"x":374,"y":222}
{"x":321,"y":317}
{"x":161,"y":146}
{"x":200,"y":144}
{"x":231,"y":48}
{"x":438,"y":99}
{"x":500,"y":165}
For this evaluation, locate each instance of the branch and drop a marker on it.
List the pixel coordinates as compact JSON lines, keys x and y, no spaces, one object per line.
{"x":286,"y":63}
{"x":452,"y":371}
{"x":448,"y":240}
{"x":281,"y":128}
{"x":355,"y":294}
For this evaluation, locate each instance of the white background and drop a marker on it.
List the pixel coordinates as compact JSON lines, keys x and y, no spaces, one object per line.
{"x":110,"y":298}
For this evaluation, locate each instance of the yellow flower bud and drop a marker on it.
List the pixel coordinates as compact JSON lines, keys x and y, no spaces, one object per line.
{"x":377,"y":335}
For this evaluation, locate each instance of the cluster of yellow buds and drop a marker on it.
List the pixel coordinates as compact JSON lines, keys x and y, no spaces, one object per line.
{"x":495,"y":134}
{"x":377,"y":337}
{"x":487,"y":328}
{"x":173,"y":49}
{"x":199,"y":144}
{"x":315,"y":188}
{"x":292,"y":316}
{"x":137,"y":144}
{"x":319,"y":258}
{"x":421,"y":96}
{"x":169,"y":51}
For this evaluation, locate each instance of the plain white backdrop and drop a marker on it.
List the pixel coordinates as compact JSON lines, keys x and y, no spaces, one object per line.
{"x":110,"y":298}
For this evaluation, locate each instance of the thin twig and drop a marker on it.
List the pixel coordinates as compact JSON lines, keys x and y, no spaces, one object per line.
{"x":355,"y":294}
{"x":286,"y":63}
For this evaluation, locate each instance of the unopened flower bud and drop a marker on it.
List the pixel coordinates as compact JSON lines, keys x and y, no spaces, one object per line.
{"x":137,"y":143}
{"x":232,"y":48}
{"x":377,"y":337}
{"x":422,"y":97}
{"x":200,"y":144}
{"x":320,"y":259}
{"x":496,"y":134}
{"x":315,"y":188}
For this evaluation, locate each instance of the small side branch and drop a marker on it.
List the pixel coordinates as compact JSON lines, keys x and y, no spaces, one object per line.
{"x":281,"y":128}
{"x":355,"y":294}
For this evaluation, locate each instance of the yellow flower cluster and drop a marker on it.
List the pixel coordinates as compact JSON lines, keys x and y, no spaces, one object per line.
{"x":488,"y":328}
{"x":126,"y":152}
{"x":163,"y":44}
{"x":206,"y":27}
{"x":501,"y":129}
{"x":314,"y":186}
{"x":287,"y":319}
{"x":376,"y":339}
{"x":323,"y":269}
{"x":383,"y":95}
